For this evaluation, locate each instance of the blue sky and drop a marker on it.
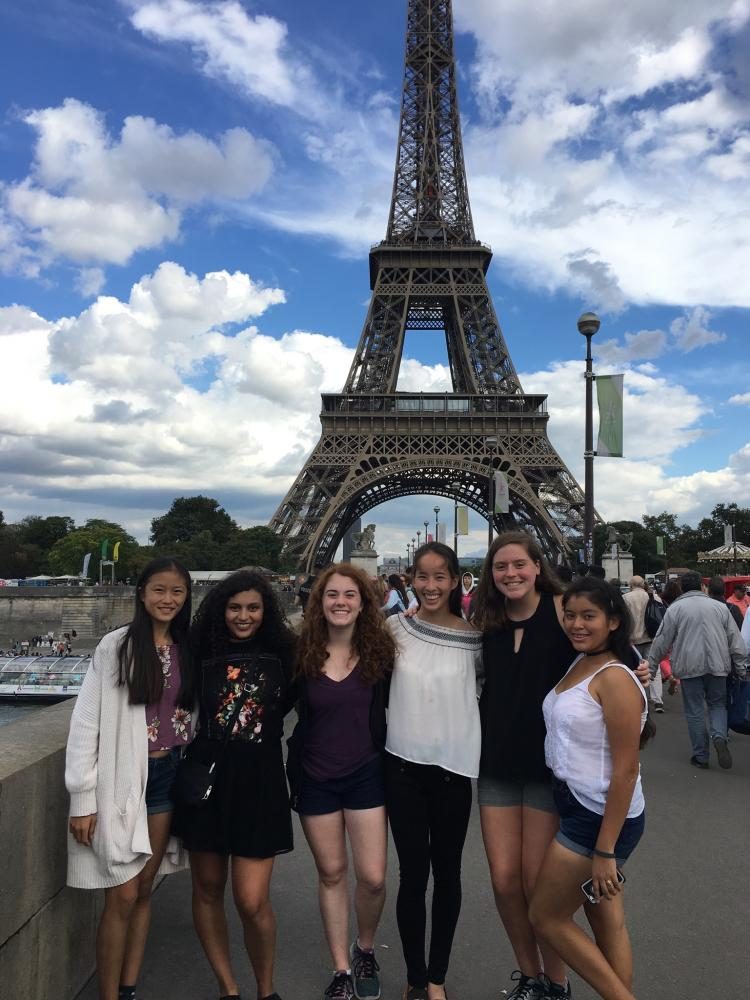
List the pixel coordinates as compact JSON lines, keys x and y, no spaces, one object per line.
{"x":188,"y":192}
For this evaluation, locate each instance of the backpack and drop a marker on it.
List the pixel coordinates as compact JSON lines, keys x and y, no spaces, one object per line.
{"x":738,"y":705}
{"x":653,"y":616}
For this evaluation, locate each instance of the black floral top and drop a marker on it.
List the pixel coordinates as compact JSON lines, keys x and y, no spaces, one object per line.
{"x":261,"y":679}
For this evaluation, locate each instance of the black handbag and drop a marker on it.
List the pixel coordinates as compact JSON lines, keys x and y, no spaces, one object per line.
{"x":195,"y":779}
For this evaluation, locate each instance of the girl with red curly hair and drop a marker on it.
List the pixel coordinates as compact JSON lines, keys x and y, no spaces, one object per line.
{"x":335,"y":765}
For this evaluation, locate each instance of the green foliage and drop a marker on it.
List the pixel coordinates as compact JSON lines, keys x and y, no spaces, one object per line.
{"x":17,"y":558}
{"x":66,"y":555}
{"x":189,"y":517}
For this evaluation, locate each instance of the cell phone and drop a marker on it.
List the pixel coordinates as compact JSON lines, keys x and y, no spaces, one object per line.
{"x":587,"y":887}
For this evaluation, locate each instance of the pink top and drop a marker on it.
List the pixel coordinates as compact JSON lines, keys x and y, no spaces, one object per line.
{"x":168,"y":725}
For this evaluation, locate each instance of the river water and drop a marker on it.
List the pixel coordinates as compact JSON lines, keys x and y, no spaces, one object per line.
{"x":9,"y":712}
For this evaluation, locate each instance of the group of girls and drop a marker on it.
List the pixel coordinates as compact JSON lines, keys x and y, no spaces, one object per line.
{"x":156,"y":688}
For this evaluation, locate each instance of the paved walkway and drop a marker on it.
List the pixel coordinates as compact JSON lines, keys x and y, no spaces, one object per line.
{"x":687,"y":902}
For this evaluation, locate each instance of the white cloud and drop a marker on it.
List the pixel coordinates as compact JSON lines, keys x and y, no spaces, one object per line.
{"x":692,"y":330}
{"x":740,"y":399}
{"x":140,"y":182}
{"x":249,"y":52}
{"x":638,"y":346}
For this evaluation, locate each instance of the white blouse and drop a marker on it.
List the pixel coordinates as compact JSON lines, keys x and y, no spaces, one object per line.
{"x":433,"y":712}
{"x":577,"y":746}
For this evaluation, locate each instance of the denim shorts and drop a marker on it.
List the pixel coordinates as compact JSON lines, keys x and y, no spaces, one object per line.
{"x":579,"y":826}
{"x":502,"y":792}
{"x":362,"y":789}
{"x":161,"y":775}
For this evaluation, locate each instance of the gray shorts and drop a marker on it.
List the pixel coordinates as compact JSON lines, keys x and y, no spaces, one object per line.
{"x":531,"y":794}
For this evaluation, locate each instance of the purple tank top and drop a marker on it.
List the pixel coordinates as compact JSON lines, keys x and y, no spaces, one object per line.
{"x":167,"y":724}
{"x":338,"y":740}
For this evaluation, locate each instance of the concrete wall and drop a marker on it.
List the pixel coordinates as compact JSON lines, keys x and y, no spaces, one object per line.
{"x":46,"y":929}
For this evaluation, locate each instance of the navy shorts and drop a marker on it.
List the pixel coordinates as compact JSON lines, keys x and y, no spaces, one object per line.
{"x":161,"y":775}
{"x":362,"y":789}
{"x":579,"y":826}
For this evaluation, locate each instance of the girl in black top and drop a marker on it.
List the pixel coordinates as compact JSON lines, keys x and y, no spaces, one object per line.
{"x":245,"y":651}
{"x":525,"y":652}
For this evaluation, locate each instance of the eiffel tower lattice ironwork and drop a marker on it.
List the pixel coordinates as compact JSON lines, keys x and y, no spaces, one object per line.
{"x":429,"y":274}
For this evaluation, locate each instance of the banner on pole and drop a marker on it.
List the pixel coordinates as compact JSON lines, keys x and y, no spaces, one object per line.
{"x":116,"y":552}
{"x":609,"y":391}
{"x":105,"y":549}
{"x":441,"y":532}
{"x":660,"y":545}
{"x":502,"y":493}
{"x":86,"y":561}
{"x":462,"y":520}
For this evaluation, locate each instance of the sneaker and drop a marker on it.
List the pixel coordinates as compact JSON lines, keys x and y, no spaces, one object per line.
{"x":722,"y":752}
{"x":527,"y":988}
{"x":364,"y":973}
{"x":659,"y":708}
{"x":697,"y":762}
{"x":553,"y":991}
{"x":341,"y":987}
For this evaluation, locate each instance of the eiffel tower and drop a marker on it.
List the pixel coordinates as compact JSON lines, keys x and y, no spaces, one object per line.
{"x":429,"y":274}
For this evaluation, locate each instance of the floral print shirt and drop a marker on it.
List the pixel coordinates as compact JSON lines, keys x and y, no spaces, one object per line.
{"x":167,"y":724}
{"x":258,"y":679}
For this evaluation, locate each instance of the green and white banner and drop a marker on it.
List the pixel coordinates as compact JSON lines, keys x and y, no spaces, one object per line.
{"x":502,"y":493}
{"x":609,"y":391}
{"x":462,"y":520}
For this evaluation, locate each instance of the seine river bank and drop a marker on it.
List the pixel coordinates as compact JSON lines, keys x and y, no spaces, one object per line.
{"x":11,"y":712}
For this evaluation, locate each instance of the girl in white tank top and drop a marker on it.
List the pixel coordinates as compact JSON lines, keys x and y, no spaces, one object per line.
{"x":596,"y":718}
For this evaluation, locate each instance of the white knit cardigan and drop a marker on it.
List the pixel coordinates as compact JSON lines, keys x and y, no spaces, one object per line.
{"x":106,"y":769}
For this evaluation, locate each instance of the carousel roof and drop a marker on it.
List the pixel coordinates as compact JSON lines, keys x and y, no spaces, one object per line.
{"x":722,"y":552}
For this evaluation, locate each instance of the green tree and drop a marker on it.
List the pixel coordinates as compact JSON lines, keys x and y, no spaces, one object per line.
{"x":43,"y":532}
{"x":258,"y":546}
{"x":66,"y":555}
{"x":17,"y":558}
{"x":191,"y":516}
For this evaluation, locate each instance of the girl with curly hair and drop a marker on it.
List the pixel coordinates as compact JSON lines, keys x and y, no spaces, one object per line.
{"x":335,"y":765}
{"x":244,"y":651}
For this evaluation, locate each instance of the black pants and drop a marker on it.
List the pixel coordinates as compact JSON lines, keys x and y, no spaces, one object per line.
{"x":429,"y":810}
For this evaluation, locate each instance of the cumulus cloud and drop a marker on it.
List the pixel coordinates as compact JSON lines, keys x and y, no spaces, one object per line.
{"x":140,"y":181}
{"x":692,"y":330}
{"x":230,"y":44}
{"x":740,"y":399}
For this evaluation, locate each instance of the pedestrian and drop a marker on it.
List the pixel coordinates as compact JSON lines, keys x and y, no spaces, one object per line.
{"x":244,"y":653}
{"x":739,"y":598}
{"x":706,"y":646}
{"x":636,"y":601}
{"x":132,"y":719}
{"x":597,"y":720}
{"x":433,"y":745}
{"x":396,"y":601}
{"x":335,"y":765}
{"x":716,"y":590}
{"x":525,"y":653}
{"x":468,"y":587}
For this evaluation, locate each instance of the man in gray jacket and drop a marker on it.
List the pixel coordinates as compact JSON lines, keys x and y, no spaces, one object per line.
{"x":706,"y":645}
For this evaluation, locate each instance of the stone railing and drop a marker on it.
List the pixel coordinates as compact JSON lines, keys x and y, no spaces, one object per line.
{"x":47,"y":930}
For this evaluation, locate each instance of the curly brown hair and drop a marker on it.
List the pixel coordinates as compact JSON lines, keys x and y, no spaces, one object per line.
{"x":371,"y":640}
{"x":489,"y":603}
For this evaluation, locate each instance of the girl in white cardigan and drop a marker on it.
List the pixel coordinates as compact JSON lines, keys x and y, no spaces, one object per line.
{"x":132,"y":720}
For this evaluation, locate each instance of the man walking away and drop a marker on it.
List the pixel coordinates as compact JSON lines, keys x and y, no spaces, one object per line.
{"x":705,"y":646}
{"x":637,"y":600}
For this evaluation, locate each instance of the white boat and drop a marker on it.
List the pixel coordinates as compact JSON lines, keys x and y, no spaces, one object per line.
{"x":42,"y":678}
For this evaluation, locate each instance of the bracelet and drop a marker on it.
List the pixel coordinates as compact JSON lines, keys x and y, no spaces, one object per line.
{"x":603,"y":854}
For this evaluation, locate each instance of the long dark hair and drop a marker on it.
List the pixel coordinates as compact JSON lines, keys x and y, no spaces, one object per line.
{"x":394,"y":582}
{"x":209,"y":634}
{"x":609,"y":599}
{"x":139,"y":666}
{"x":489,"y":603}
{"x":451,"y":561}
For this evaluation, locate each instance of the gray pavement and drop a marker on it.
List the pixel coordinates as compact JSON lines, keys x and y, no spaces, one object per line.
{"x":687,"y":902}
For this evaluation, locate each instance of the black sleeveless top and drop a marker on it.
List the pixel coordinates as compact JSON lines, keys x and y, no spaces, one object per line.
{"x":515,"y":685}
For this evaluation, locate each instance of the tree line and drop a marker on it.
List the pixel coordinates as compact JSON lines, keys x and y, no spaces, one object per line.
{"x":204,"y":536}
{"x":197,"y":530}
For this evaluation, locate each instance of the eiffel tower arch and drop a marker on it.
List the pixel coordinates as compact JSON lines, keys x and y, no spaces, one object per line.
{"x":429,"y":273}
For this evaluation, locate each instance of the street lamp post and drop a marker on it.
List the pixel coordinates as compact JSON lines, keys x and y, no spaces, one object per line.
{"x":491,"y":443}
{"x":418,"y":538}
{"x":456,"y":486}
{"x":588,"y":325}
{"x":437,"y":511}
{"x":413,"y":550}
{"x":426,"y":527}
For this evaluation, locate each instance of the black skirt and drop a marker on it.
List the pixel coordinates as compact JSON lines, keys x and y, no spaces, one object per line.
{"x":248,"y":811}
